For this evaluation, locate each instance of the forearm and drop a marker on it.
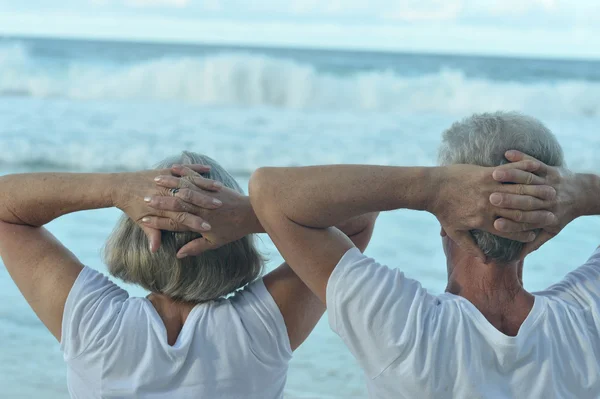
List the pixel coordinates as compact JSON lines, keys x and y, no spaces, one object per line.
{"x":325,"y":196}
{"x":351,"y":227}
{"x":589,"y":203}
{"x":37,"y":198}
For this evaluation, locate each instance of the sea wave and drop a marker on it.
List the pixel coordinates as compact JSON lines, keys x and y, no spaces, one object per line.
{"x":250,"y":80}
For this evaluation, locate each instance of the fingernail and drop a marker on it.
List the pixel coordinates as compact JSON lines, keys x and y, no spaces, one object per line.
{"x":499,"y":174}
{"x":531,"y":236}
{"x":151,"y":247}
{"x":496,"y":199}
{"x":218,"y":184}
{"x":147,"y":199}
{"x":551,"y":218}
{"x":510,"y":154}
{"x":182,"y":255}
{"x":157,"y":178}
{"x":145,"y":219}
{"x":216,"y":202}
{"x":501,"y":224}
{"x":206,"y":226}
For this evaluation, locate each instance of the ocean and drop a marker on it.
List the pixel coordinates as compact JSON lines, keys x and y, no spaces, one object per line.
{"x":69,"y":105}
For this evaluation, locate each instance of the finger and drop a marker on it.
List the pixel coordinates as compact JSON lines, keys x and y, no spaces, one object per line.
{"x":533,"y":246}
{"x":525,"y":160}
{"x":464,"y":240}
{"x":167,"y":181}
{"x":154,"y":237}
{"x":198,"y":168}
{"x":516,"y":156}
{"x":187,"y":182}
{"x":183,"y":170}
{"x":521,"y":202}
{"x":185,"y":200}
{"x":530,"y":220}
{"x":547,"y":193}
{"x":196,"y":179}
{"x":198,"y":198}
{"x":196,"y":247}
{"x":517,"y":176}
{"x":181,"y":221}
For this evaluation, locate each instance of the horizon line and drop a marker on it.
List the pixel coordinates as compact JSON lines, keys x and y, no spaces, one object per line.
{"x":275,"y":46}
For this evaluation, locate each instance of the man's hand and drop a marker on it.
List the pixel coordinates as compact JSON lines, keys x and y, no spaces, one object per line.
{"x":462,"y":204}
{"x":131,"y":193}
{"x":565,"y":205}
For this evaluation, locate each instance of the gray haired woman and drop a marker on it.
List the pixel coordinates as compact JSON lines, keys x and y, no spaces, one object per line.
{"x":198,"y":334}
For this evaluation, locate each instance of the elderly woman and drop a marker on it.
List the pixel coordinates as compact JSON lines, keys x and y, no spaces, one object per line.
{"x":186,"y":339}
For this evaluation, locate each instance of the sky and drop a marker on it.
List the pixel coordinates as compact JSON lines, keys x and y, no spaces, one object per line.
{"x":533,"y":28}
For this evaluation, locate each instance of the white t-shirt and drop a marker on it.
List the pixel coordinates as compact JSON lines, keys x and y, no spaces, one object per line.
{"x":116,"y":346}
{"x":412,"y":344}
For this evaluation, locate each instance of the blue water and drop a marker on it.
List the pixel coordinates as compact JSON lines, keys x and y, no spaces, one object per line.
{"x":101,"y":106}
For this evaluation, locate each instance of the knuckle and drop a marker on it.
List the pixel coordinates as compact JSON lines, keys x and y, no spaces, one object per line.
{"x":185,"y":194}
{"x":479,"y":221}
{"x":521,"y":189}
{"x":173,"y":225}
{"x":518,"y":215}
{"x":180,"y":218}
{"x":180,"y":205}
{"x":529,"y":178}
{"x":530,"y":203}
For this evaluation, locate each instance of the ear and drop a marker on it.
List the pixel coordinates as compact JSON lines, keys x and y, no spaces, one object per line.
{"x":443,"y":232}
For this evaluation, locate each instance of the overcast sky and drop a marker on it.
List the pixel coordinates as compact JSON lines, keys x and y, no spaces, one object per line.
{"x":556,"y":28}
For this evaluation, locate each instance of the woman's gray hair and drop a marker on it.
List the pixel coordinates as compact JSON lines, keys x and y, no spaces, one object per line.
{"x":483,"y":139}
{"x":208,"y":276}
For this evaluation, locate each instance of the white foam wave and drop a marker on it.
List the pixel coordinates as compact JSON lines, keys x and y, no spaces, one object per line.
{"x":247,"y":80}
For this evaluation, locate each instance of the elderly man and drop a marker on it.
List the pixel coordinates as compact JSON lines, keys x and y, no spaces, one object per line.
{"x":486,"y":336}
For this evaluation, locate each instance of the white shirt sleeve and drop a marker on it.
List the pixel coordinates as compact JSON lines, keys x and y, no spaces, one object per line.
{"x":263,"y":323}
{"x":92,"y":305}
{"x":582,"y":285}
{"x":377,"y":311}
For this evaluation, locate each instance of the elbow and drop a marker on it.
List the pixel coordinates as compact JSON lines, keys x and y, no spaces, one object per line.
{"x":261,"y":190}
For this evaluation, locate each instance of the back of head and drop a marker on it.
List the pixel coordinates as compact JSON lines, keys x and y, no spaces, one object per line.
{"x":211,"y":275}
{"x":483,"y":139}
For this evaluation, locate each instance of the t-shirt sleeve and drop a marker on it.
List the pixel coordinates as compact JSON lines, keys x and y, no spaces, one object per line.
{"x":377,"y":311}
{"x":582,"y":285}
{"x":264,"y":324}
{"x":90,"y":310}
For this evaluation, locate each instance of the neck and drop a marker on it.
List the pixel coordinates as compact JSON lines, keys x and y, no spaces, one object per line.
{"x":488,"y":286}
{"x":173,"y":314}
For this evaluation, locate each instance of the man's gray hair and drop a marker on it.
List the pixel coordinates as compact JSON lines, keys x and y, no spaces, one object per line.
{"x":208,"y":276}
{"x":483,"y":139}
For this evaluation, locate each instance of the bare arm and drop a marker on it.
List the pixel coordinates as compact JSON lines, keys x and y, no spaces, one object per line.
{"x":43,"y":269}
{"x":297,"y":205}
{"x":301,"y":309}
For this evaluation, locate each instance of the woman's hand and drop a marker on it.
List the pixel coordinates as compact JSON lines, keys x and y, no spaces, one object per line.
{"x":131,"y":192}
{"x":230,"y":221}
{"x":564,"y":205}
{"x":463,"y":204}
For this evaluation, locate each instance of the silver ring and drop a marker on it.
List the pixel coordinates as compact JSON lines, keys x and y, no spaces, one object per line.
{"x":173,"y":191}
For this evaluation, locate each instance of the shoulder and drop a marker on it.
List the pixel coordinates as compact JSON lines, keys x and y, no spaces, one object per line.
{"x":90,"y":309}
